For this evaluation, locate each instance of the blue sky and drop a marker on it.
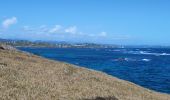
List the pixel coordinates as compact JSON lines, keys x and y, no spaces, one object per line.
{"x":132,"y":22}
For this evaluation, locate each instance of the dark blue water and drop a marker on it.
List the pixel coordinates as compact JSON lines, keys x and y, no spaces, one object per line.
{"x":147,"y":67}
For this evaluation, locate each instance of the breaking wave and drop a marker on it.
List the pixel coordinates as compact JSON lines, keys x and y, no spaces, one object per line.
{"x":131,"y":59}
{"x":149,"y":53}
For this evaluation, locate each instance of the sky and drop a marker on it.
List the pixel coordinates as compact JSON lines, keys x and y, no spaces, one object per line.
{"x":127,"y":22}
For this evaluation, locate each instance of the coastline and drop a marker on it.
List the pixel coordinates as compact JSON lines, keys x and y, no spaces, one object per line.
{"x":74,"y":82}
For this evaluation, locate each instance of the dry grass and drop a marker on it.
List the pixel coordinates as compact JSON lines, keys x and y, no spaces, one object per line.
{"x":29,"y":77}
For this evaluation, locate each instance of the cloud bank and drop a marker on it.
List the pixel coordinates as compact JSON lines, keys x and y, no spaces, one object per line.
{"x":60,"y":30}
{"x":72,"y":29}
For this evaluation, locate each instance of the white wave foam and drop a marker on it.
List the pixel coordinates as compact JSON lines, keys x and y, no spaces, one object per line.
{"x":165,"y":54}
{"x":146,"y":60}
{"x":132,"y":59}
{"x":149,"y":53}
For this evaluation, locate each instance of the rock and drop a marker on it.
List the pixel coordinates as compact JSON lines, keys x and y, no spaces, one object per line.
{"x":7,"y":47}
{"x":107,"y":98}
{"x":103,"y":98}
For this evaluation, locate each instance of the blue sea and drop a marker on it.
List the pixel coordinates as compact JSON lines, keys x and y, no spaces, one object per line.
{"x":148,"y":67}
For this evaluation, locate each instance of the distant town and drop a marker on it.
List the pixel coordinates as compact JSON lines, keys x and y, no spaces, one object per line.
{"x":56,"y":44}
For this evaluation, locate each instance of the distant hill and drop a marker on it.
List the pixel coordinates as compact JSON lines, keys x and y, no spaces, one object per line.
{"x":56,"y":44}
{"x":63,"y":44}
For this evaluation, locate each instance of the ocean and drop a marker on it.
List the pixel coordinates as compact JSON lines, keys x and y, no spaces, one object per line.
{"x":147,"y":67}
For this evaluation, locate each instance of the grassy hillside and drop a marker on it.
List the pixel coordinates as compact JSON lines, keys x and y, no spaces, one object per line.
{"x":28,"y":77}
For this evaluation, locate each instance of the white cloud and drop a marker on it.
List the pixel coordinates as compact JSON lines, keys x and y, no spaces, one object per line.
{"x":43,"y":26}
{"x":55,"y":29}
{"x":26,"y":28}
{"x":8,"y":22}
{"x":103,"y":34}
{"x":72,"y":29}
